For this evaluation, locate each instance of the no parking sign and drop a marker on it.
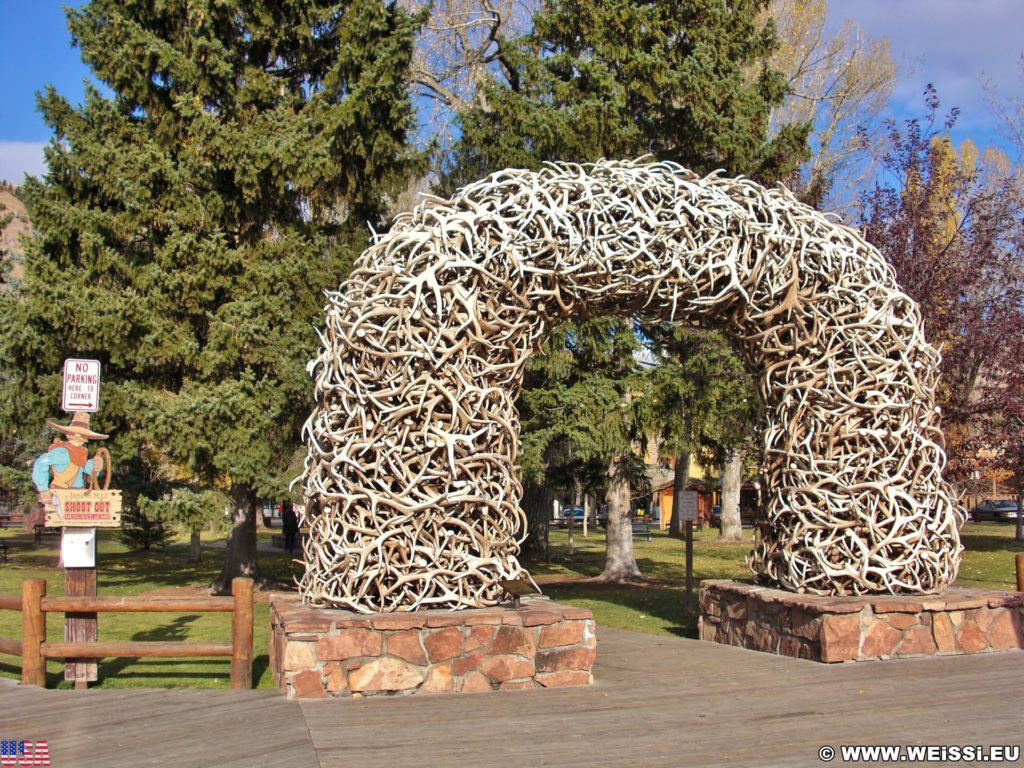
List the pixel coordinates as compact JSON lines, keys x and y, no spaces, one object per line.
{"x":81,"y":386}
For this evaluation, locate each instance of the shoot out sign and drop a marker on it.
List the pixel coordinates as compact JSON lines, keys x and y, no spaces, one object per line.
{"x":78,"y":508}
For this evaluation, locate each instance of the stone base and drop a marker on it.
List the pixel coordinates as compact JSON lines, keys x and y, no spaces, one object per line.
{"x":317,"y":653}
{"x":831,"y":629}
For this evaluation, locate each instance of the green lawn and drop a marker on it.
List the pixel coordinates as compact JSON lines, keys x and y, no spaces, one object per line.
{"x":989,"y":550}
{"x":132,"y":573}
{"x":656,"y":607}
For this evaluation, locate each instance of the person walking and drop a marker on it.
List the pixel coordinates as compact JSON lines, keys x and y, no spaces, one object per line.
{"x":289,"y":526}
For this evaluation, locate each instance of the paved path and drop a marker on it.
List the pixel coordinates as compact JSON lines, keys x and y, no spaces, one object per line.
{"x":657,"y":702}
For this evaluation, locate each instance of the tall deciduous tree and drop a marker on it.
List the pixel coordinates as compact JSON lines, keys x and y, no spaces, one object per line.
{"x":579,"y":422}
{"x":732,"y":480}
{"x":622,"y":79}
{"x":1010,"y":110}
{"x":457,"y":52}
{"x":189,"y":224}
{"x":952,"y":227}
{"x":840,"y":83}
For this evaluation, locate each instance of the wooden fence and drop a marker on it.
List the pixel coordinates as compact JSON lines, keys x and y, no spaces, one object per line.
{"x":35,"y":650}
{"x":10,"y":603}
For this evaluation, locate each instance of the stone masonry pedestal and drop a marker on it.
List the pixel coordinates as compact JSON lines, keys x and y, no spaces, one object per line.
{"x":317,"y":653}
{"x":832,"y":629}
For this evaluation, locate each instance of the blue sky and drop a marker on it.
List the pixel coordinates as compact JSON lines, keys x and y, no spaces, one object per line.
{"x":951,"y":43}
{"x":35,"y":51}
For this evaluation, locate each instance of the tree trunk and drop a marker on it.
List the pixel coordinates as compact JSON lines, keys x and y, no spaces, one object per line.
{"x":680,"y":479}
{"x":1020,"y":523}
{"x":732,"y":528}
{"x":195,"y":549}
{"x":581,"y":501}
{"x":537,"y":503}
{"x":571,"y":546}
{"x":240,"y":554}
{"x":619,"y":563}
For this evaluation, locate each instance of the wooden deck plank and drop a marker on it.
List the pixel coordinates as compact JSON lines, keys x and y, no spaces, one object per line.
{"x":657,"y":702}
{"x":159,"y":728}
{"x":664,"y":702}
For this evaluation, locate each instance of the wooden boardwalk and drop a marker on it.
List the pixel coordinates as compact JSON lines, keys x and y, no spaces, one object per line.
{"x":657,"y":702}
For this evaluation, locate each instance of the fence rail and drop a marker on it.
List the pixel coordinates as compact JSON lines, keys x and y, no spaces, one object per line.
{"x":139,"y":604}
{"x":35,"y":650}
{"x":133,"y":649}
{"x":8,"y":645}
{"x":10,"y":602}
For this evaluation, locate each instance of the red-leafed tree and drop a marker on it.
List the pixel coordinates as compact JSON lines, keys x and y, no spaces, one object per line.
{"x":949,"y":221}
{"x":1011,"y":457}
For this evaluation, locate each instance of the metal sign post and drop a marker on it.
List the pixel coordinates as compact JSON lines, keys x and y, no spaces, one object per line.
{"x":688,"y":514}
{"x":67,"y":482}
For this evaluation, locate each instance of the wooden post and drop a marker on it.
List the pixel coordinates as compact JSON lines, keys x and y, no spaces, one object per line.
{"x":689,"y":564}
{"x":80,"y":627}
{"x":241,"y":634}
{"x":1020,"y":572}
{"x":33,"y":632}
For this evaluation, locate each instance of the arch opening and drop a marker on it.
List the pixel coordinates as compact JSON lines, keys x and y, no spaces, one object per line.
{"x":411,"y":487}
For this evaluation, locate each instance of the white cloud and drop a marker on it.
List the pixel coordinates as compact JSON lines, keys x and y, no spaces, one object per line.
{"x":951,"y":43}
{"x":20,"y":157}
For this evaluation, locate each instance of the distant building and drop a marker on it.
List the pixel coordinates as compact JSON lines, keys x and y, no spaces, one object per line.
{"x":663,"y":487}
{"x":708,"y":495}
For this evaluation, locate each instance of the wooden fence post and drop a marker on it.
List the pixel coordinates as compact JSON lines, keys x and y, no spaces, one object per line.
{"x":33,"y":632}
{"x":241,"y":634}
{"x":81,"y":626}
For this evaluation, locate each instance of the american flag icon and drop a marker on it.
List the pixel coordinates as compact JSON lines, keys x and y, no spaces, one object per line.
{"x":22,"y":753}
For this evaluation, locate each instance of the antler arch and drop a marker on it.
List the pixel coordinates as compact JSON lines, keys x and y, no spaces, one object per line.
{"x":412,"y":492}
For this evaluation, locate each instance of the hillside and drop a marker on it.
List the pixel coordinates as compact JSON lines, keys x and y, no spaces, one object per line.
{"x":17,"y":226}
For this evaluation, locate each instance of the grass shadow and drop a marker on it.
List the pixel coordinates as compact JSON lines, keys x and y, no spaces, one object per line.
{"x":260,"y":667}
{"x":165,"y":671}
{"x":175,"y":631}
{"x":990,"y":537}
{"x":631,"y":606}
{"x":10,"y":668}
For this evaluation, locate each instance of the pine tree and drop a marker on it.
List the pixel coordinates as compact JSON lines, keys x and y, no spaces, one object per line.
{"x":699,"y":402}
{"x":579,"y":417}
{"x":683,"y":81}
{"x":189,"y":224}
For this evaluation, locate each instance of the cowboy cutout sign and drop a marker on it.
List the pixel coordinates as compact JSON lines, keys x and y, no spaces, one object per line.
{"x":60,"y":477}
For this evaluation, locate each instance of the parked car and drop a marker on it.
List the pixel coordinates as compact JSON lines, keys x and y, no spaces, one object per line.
{"x":576,"y":513}
{"x":748,"y":516}
{"x":995,"y":509}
